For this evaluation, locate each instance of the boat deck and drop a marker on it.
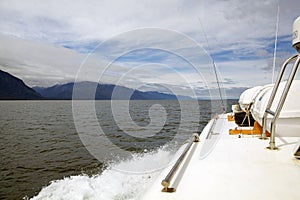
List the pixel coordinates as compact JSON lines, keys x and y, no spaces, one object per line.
{"x":233,"y":167}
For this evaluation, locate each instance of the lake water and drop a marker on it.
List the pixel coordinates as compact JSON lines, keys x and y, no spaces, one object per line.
{"x":48,"y":152}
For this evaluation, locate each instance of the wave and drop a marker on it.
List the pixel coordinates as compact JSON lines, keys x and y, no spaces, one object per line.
{"x":125,"y":180}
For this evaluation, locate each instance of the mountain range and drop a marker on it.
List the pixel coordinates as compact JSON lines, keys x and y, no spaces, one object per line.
{"x":90,"y":90}
{"x":13,"y":88}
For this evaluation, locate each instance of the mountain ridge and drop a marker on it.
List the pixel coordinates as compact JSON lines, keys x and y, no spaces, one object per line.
{"x":13,"y":88}
{"x":90,"y":90}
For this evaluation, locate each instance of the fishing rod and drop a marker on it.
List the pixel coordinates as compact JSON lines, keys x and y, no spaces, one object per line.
{"x":214,"y":67}
{"x":275,"y":43}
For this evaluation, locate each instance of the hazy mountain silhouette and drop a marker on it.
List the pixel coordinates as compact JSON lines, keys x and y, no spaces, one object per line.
{"x":13,"y":88}
{"x":91,"y":90}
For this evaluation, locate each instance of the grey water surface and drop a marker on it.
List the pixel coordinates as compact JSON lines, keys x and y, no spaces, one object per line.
{"x":39,"y":142}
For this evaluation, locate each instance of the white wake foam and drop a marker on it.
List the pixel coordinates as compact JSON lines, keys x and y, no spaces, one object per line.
{"x":125,"y":180}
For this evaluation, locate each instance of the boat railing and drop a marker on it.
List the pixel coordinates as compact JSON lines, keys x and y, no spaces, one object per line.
{"x":276,"y":113}
{"x":166,"y":182}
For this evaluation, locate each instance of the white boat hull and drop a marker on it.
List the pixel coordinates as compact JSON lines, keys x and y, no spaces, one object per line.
{"x":234,"y":168}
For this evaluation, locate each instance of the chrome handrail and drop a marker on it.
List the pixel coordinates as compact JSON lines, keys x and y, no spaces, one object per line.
{"x":167,"y":180}
{"x":264,"y":120}
{"x":281,"y":101}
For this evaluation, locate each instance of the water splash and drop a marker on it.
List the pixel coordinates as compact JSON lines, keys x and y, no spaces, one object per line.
{"x":112,"y":183}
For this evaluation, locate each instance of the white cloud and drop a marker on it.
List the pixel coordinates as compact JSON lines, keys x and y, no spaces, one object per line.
{"x":231,"y":20}
{"x":35,"y":62}
{"x":235,"y":29}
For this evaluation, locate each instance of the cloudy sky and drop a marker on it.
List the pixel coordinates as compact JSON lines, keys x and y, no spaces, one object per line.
{"x":149,"y":45}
